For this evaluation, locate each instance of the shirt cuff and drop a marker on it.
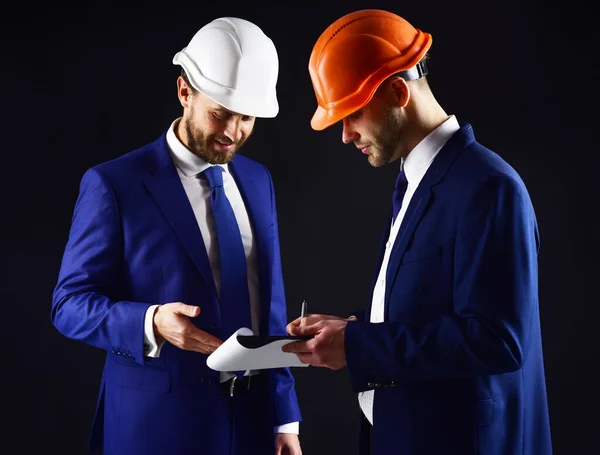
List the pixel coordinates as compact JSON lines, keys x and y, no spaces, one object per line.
{"x":292,"y":428}
{"x":151,"y":347}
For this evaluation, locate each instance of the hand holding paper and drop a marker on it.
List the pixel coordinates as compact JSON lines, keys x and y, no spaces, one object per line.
{"x":326,"y":348}
{"x":244,"y":351}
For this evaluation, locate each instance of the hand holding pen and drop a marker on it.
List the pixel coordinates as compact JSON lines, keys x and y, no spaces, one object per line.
{"x":326,"y":347}
{"x":307,"y":319}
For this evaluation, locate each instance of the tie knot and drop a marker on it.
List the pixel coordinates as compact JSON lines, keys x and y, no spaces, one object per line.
{"x":401,"y":180}
{"x":214,"y":175}
{"x":399,"y":190}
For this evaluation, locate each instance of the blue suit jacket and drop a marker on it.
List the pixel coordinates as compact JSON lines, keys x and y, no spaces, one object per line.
{"x":457,"y":365}
{"x":135,"y":242}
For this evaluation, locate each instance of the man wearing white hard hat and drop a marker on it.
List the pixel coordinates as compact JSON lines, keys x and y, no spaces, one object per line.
{"x":173,"y":247}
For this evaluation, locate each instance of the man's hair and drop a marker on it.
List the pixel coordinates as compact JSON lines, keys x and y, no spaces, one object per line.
{"x":187,"y":80}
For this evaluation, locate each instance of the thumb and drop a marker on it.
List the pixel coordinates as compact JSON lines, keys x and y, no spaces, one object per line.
{"x":291,"y":329}
{"x":298,"y":330}
{"x":188,"y":310}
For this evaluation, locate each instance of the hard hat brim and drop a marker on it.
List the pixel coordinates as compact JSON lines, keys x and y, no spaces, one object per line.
{"x":323,"y":119}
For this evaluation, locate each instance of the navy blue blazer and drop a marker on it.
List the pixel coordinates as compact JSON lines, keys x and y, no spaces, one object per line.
{"x":135,"y":242}
{"x":457,"y":365}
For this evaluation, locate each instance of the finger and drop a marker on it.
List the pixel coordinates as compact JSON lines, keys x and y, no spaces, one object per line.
{"x":209,"y":340}
{"x":305,"y":358}
{"x":295,"y":322}
{"x":192,"y":344}
{"x":187,"y":310}
{"x":291,"y":328}
{"x":303,"y":355}
{"x":307,"y":329}
{"x":310,"y":318}
{"x":294,"y":330}
{"x":203,"y":337}
{"x":203,"y":348}
{"x":296,"y":347}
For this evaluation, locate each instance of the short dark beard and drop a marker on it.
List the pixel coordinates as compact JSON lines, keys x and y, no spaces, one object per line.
{"x":201,"y":145}
{"x":387,"y":138}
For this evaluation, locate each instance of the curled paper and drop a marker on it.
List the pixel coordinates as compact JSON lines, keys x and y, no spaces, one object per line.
{"x":245,"y":351}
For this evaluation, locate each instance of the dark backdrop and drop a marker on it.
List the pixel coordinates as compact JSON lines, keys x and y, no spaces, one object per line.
{"x":84,"y":84}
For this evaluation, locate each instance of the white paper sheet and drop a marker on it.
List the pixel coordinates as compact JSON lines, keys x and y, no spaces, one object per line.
{"x":232,"y":356}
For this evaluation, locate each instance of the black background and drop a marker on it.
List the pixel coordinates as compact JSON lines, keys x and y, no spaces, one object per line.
{"x":84,"y":84}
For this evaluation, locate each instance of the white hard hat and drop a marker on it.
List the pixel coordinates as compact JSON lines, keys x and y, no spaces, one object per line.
{"x":234,"y":63}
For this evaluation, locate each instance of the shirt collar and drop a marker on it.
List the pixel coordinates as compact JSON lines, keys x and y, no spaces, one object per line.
{"x":189,"y":163}
{"x":416,"y":163}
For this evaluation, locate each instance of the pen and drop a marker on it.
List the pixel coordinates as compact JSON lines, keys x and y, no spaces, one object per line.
{"x":303,"y":311}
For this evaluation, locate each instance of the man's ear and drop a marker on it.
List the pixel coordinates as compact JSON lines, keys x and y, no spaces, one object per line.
{"x":184,"y":92}
{"x":402,"y":91}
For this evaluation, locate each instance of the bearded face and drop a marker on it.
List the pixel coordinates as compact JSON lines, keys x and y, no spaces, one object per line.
{"x":211,"y":131}
{"x":214,"y":147}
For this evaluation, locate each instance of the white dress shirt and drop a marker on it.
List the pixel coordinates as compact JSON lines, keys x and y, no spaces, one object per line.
{"x":415,"y":166}
{"x":189,"y":167}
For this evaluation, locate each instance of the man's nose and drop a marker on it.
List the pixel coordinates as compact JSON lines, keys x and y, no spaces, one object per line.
{"x":348,"y":134}
{"x":233,"y":129}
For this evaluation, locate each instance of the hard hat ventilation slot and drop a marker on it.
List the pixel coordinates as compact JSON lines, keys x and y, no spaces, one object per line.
{"x":231,"y":24}
{"x":343,"y":27}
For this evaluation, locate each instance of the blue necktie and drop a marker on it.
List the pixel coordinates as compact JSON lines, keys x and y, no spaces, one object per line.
{"x":399,"y":190}
{"x":235,"y":298}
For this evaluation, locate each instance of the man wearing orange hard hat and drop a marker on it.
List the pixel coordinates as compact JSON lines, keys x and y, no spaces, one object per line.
{"x":446,"y":356}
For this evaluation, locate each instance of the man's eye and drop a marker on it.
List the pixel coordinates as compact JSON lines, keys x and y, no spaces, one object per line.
{"x":220,"y":115}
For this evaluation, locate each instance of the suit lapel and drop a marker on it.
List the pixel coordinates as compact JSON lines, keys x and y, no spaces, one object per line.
{"x":413,"y":215}
{"x":166,"y":189}
{"x":421,"y":201}
{"x":256,"y":196}
{"x":253,"y":193}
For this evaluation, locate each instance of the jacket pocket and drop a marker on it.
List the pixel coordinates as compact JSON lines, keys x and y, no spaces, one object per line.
{"x":148,"y":378}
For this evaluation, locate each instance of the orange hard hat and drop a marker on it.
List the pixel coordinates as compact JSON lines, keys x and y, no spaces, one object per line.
{"x":355,"y":54}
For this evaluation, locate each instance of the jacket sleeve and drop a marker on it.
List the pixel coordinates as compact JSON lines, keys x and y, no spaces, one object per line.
{"x":494,"y":300}
{"x":285,"y":401}
{"x":84,"y":302}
